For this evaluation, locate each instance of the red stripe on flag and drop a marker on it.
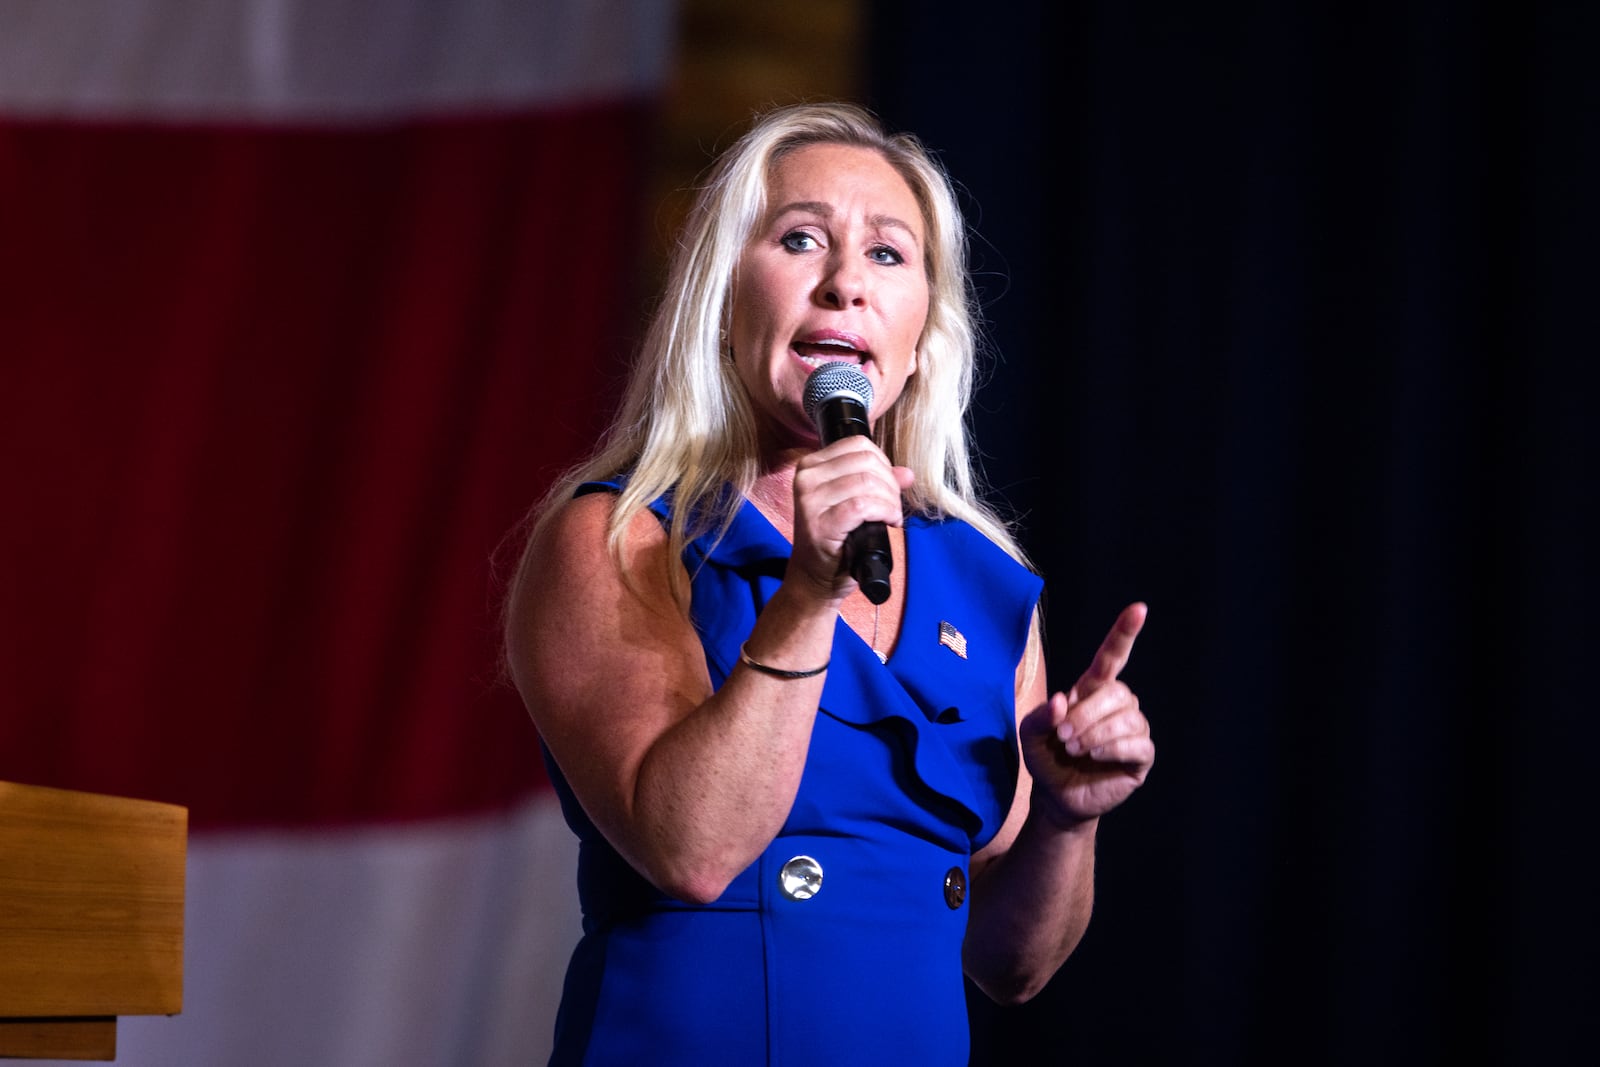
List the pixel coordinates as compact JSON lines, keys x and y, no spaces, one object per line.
{"x":275,"y":398}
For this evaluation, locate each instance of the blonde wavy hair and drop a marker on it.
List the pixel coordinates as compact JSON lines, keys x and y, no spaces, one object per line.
{"x":686,"y":424}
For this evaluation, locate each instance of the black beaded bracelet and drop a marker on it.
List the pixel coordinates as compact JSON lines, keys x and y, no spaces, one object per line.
{"x":778,"y":672}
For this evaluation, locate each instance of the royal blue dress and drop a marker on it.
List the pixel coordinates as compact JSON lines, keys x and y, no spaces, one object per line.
{"x":912,"y":767}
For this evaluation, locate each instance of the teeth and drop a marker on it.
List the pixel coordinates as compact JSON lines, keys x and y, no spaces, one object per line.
{"x":818,"y":361}
{"x":830,"y":350}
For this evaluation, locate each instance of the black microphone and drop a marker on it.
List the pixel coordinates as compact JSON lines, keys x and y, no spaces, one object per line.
{"x":836,"y":398}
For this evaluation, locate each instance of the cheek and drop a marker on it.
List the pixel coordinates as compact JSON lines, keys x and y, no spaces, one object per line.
{"x":916,"y":326}
{"x":753,"y":310}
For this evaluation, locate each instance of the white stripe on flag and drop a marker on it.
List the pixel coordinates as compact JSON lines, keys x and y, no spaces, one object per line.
{"x":323,"y":60}
{"x":436,"y":945}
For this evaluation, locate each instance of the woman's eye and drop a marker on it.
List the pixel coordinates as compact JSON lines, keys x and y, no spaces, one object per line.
{"x":798,"y":241}
{"x":887,"y":255}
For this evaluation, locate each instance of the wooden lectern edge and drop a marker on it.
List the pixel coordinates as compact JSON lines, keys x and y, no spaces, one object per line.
{"x":93,"y":927}
{"x":90,"y":1037}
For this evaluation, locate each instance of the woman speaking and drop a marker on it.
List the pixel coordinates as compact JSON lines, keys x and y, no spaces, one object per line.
{"x":802,"y":811}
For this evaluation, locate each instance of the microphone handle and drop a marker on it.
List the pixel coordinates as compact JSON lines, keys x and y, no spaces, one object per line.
{"x":866,"y":553}
{"x":866,"y":550}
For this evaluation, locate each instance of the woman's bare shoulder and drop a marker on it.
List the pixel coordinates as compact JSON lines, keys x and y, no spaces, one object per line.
{"x":573,"y":591}
{"x":578,"y":534}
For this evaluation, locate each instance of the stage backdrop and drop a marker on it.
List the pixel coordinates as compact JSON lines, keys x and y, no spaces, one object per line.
{"x":301,"y":305}
{"x":1294,"y":311}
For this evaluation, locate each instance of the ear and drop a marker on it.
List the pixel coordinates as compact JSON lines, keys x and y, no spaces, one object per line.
{"x":916,"y":361}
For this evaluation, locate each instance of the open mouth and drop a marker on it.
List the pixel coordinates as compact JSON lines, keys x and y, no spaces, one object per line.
{"x":816,"y":354}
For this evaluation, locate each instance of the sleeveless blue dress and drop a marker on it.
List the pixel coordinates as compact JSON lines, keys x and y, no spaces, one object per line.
{"x":912,"y":767}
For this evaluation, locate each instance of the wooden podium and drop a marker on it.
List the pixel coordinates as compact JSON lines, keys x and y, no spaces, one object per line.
{"x":91,"y":918}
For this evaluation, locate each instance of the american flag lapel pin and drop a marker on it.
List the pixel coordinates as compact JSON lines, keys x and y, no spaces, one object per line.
{"x":953,"y":639}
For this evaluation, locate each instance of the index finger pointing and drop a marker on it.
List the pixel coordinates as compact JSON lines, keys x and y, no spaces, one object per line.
{"x":1114,"y":651}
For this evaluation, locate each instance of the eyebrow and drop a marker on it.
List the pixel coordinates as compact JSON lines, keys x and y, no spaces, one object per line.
{"x":817,"y":207}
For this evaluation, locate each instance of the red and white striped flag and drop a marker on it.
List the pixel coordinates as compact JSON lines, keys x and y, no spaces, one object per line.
{"x":302,"y":303}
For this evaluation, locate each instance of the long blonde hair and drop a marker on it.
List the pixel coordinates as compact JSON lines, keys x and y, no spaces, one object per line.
{"x":686,"y":423}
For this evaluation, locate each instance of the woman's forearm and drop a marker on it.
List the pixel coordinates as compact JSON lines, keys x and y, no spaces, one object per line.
{"x":1030,"y":909}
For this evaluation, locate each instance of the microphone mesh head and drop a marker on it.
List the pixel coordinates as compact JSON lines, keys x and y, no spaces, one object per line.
{"x":835,"y":379}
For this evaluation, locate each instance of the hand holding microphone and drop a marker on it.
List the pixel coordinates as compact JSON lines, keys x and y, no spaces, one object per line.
{"x":837,"y":397}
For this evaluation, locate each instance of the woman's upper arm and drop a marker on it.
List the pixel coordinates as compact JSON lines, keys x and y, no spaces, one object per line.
{"x":606,"y":662}
{"x":1031,"y":690}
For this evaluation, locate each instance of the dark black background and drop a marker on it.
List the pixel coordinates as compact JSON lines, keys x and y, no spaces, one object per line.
{"x":1292,"y":314}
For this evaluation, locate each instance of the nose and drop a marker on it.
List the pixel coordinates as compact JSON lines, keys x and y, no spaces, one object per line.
{"x":844,"y":285}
